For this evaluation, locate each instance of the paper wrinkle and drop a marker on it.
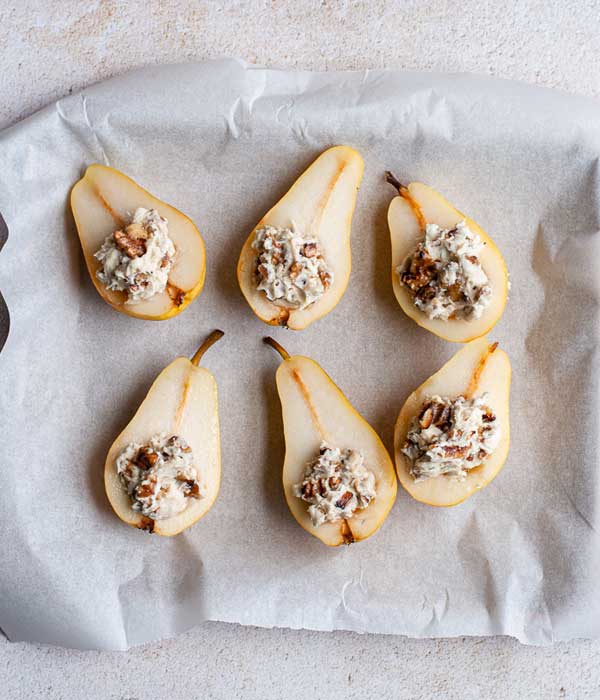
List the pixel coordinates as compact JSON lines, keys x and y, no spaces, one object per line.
{"x":232,"y":128}
{"x":437,"y":608}
{"x":86,"y":117}
{"x":354,"y":594}
{"x":87,"y":581}
{"x":521,"y":599}
{"x":80,"y":116}
{"x":239,"y":117}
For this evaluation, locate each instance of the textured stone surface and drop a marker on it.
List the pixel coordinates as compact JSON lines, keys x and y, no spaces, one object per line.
{"x":52,"y":47}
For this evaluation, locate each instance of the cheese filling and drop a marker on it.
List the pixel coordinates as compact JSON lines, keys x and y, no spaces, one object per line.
{"x":451,"y":436}
{"x":290,"y":269}
{"x":336,"y":484}
{"x":444,"y":274}
{"x":160,"y":476}
{"x":138,"y":259}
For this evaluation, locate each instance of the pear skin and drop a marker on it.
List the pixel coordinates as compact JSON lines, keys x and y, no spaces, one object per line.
{"x":321,"y":204}
{"x":181,"y":401}
{"x":416,"y":206}
{"x":315,"y":410}
{"x":477,"y":368}
{"x":102,"y":202}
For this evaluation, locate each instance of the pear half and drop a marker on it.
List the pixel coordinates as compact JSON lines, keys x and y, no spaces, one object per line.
{"x":103,"y":201}
{"x":477,"y":368}
{"x":315,"y":410}
{"x":416,"y":206}
{"x":321,"y":204}
{"x":181,"y":401}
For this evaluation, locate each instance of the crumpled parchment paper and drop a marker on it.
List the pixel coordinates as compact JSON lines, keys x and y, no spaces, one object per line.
{"x":222,"y":141}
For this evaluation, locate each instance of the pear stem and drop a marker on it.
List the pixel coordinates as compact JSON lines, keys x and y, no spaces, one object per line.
{"x":211,"y":340}
{"x":394,"y":182}
{"x":275,"y":345}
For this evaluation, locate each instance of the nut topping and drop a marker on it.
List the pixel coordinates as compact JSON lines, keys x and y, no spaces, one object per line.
{"x":450,"y":436}
{"x":336,"y":484}
{"x":137,"y":260}
{"x":137,"y":231}
{"x":444,"y":274}
{"x":146,"y":458}
{"x":310,"y":250}
{"x":132,"y":247}
{"x":290,"y":269}
{"x":159,"y":476}
{"x":344,"y":500}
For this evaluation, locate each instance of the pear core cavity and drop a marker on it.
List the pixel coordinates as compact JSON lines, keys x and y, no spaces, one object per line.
{"x":290,"y":269}
{"x":138,"y":259}
{"x":336,"y":484}
{"x":160,"y":476}
{"x":444,"y":274}
{"x":450,"y":437}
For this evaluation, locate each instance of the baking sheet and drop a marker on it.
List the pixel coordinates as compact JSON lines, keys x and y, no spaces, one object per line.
{"x":222,"y":141}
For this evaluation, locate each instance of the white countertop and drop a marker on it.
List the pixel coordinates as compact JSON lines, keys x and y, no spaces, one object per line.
{"x":51,"y":48}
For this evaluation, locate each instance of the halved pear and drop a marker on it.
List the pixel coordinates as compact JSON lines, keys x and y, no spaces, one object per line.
{"x":321,"y":204}
{"x":103,"y":201}
{"x":181,"y":401}
{"x":408,"y":214}
{"x":477,"y":368}
{"x":315,"y":410}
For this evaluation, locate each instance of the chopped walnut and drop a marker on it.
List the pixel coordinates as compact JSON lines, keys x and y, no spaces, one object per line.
{"x":444,"y":274}
{"x":159,"y":476}
{"x":336,"y":484}
{"x":325,"y":278}
{"x":420,"y":273}
{"x":450,"y":437}
{"x":146,"y":458}
{"x":138,"y":231}
{"x":310,"y":250}
{"x":138,"y":259}
{"x":343,"y":501}
{"x":434,"y":412}
{"x":290,"y":269}
{"x":132,"y":247}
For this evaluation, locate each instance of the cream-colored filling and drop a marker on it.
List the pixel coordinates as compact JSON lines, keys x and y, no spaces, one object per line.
{"x":336,"y":484}
{"x":290,"y":269}
{"x":160,"y":476}
{"x":143,"y":272}
{"x":451,"y":436}
{"x":445,"y":276}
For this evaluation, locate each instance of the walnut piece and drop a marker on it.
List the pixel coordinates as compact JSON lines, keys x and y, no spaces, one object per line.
{"x":132,"y":247}
{"x":325,"y":278}
{"x":146,"y":458}
{"x":310,"y":250}
{"x":137,"y":231}
{"x":434,"y":413}
{"x":343,"y":500}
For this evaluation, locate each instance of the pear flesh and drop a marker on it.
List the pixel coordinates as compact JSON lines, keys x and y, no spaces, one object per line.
{"x":408,"y":214}
{"x":315,"y":411}
{"x":319,"y":205}
{"x":104,"y":201}
{"x":478,"y":368}
{"x":182,"y":401}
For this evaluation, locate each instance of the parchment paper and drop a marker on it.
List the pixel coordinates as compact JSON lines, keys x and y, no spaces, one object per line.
{"x":222,"y":141}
